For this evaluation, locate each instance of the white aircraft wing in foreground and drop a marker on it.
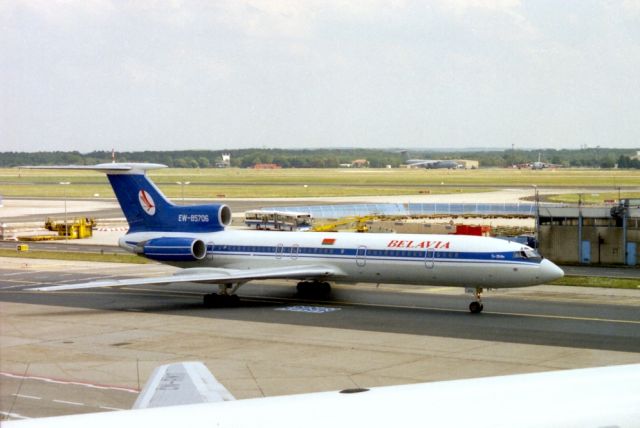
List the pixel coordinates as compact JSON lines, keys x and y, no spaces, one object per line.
{"x":595,"y":397}
{"x":181,"y":383}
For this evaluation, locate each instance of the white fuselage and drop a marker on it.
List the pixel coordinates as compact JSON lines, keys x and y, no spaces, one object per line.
{"x":446,"y":260}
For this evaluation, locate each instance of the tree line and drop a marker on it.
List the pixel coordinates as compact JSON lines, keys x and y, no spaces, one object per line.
{"x":329,"y":158}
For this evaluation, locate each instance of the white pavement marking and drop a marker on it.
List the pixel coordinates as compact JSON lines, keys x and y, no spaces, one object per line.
{"x":109,"y":408}
{"x":13,"y":415}
{"x":20,"y":285}
{"x":65,"y":382}
{"x":32,"y":397}
{"x":15,"y":273}
{"x":308,"y":309}
{"x":73,"y":403}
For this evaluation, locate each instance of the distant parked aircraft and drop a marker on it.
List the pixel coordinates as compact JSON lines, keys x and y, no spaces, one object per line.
{"x":430,"y":163}
{"x":542,"y":165}
{"x":433,"y":163}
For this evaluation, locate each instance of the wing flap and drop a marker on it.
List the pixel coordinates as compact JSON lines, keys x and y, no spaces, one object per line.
{"x":181,"y":383}
{"x":210,"y":276}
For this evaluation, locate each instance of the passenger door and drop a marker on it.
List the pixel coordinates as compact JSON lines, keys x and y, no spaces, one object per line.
{"x":361,"y":256}
{"x":428,"y":258}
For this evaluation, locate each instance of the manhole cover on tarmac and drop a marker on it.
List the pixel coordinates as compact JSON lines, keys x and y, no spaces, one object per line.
{"x":308,"y":309}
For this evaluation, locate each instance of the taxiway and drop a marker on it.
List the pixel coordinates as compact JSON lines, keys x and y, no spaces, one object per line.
{"x":91,"y":350}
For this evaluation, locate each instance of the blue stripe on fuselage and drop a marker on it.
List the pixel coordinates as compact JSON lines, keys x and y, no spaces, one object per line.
{"x":371,"y":254}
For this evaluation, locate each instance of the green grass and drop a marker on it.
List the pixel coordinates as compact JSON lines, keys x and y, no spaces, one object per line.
{"x":236,"y":182}
{"x":173,"y":191}
{"x":595,"y":198}
{"x":75,"y":256}
{"x":596,"y":281}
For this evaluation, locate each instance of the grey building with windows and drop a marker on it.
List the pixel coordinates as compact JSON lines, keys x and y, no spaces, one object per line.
{"x":591,"y":235}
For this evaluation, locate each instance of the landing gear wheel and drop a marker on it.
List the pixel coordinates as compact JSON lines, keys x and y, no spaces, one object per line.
{"x":209,"y":300}
{"x":302,"y":287}
{"x":232,"y":300}
{"x":325,"y":288}
{"x":221,"y":300}
{"x":476,"y":307}
{"x":313,"y":289}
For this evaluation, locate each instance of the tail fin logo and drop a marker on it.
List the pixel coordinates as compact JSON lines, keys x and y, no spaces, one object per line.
{"x":146,"y":202}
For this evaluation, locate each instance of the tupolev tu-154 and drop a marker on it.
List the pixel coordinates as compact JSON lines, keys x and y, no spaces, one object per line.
{"x":196,"y":238}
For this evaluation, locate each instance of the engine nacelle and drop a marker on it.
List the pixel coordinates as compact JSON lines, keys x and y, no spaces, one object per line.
{"x":196,"y":218}
{"x":183,"y":218}
{"x":175,"y":249}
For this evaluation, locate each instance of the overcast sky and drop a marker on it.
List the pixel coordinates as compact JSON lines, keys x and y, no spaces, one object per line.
{"x":160,"y":75}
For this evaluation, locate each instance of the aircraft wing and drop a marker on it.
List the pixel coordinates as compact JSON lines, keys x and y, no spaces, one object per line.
{"x":593,"y":397}
{"x":210,"y":276}
{"x":181,"y":383}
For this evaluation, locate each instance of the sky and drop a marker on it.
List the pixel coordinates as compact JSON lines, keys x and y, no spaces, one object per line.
{"x":443,"y":74}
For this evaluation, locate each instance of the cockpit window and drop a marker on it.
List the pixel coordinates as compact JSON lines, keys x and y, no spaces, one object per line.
{"x":527,"y":253}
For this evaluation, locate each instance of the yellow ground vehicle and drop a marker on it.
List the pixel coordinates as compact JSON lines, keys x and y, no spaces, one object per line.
{"x":357,"y":223}
{"x":78,"y":228}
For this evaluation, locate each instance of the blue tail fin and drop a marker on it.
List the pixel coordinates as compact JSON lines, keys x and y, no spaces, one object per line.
{"x":147,"y":209}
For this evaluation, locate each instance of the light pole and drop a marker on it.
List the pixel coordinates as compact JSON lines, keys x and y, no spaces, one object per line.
{"x":64,"y":192}
{"x":182,"y":184}
{"x":536,"y":198}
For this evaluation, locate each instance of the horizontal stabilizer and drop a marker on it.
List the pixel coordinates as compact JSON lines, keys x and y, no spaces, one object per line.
{"x":124,"y":167}
{"x":181,"y":383}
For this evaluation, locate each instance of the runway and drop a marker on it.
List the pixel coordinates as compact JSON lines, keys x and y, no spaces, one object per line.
{"x":91,"y":350}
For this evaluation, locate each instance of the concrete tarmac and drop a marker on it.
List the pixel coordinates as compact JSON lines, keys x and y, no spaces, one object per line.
{"x":91,"y":350}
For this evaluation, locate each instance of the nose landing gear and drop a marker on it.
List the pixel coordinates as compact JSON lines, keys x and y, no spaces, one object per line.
{"x":476,"y":306}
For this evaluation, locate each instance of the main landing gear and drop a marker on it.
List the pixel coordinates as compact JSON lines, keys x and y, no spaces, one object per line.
{"x":313,"y":288}
{"x":224,"y":298}
{"x":476,"y":307}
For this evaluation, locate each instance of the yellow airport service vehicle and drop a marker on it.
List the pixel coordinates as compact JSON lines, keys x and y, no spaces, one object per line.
{"x":77,"y":228}
{"x":22,"y":247}
{"x":357,"y":223}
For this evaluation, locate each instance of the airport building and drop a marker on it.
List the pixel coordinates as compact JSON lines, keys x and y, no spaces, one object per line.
{"x":591,"y":235}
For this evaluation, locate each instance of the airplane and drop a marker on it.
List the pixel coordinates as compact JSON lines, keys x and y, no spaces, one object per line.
{"x":429,"y":163}
{"x":187,"y":394}
{"x":542,"y":165}
{"x":433,"y":163}
{"x":195,"y":238}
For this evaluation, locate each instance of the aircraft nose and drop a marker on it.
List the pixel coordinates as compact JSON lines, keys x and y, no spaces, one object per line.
{"x":549,"y":271}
